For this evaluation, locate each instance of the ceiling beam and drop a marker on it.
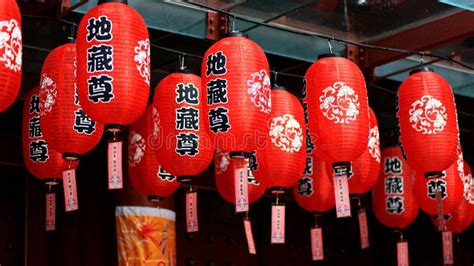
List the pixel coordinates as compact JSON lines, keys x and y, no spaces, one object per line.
{"x":423,"y":37}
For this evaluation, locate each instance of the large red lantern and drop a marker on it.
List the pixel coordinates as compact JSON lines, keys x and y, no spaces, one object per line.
{"x":113,"y":63}
{"x":145,"y":172}
{"x":224,"y":174}
{"x":338,"y":108}
{"x":393,"y":196}
{"x":428,"y":123}
{"x":237,"y":90}
{"x":365,"y":170}
{"x":11,"y":46}
{"x":65,"y":126}
{"x":460,"y":219}
{"x":283,"y":158}
{"x":447,"y":189}
{"x":338,"y":114}
{"x":314,"y":191}
{"x":113,"y":72}
{"x":184,"y":146}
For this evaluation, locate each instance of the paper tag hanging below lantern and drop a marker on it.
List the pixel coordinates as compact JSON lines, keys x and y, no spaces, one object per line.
{"x":249,"y":236}
{"x":317,"y":250}
{"x":402,"y":253}
{"x":241,"y":186}
{"x":70,"y":190}
{"x":191,"y":212}
{"x":341,"y":194}
{"x":363,"y":229}
{"x":115,"y":165}
{"x":448,"y":258}
{"x":278,"y":224}
{"x":50,"y":211}
{"x":439,"y":206}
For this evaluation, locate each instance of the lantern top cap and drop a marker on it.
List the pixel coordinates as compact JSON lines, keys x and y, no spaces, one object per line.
{"x":321,"y":56}
{"x":277,"y":87}
{"x":112,"y":1}
{"x":236,"y":34}
{"x":421,"y":69}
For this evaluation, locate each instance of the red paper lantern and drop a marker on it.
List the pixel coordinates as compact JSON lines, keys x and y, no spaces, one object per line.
{"x":144,"y":170}
{"x":184,"y":146}
{"x":460,"y":219}
{"x":314,"y":191}
{"x":467,"y":181}
{"x":224,"y":174}
{"x":393,"y":196}
{"x":235,"y":76}
{"x":451,"y":190}
{"x":338,"y":108}
{"x":428,"y":123}
{"x":283,"y":159}
{"x":11,"y":52}
{"x":41,"y":160}
{"x":65,"y":126}
{"x":365,"y":170}
{"x":113,"y":64}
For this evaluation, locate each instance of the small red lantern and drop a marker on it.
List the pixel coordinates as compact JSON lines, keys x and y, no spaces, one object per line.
{"x":224,"y":174}
{"x":184,"y":147}
{"x":460,"y":219}
{"x":41,"y":160}
{"x":283,"y":159}
{"x":468,"y":182}
{"x":236,"y":82}
{"x":393,"y":197}
{"x":338,"y":113}
{"x":365,"y":170}
{"x":446,"y":189}
{"x":113,"y":72}
{"x":11,"y":52}
{"x":314,"y":191}
{"x":428,"y":122}
{"x":65,"y":126}
{"x":145,"y":172}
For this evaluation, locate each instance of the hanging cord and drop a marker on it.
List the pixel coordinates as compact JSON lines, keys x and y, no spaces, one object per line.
{"x":330,"y":46}
{"x":401,"y":236}
{"x":330,"y":37}
{"x":275,"y":77}
{"x":182,"y":66}
{"x":72,"y":37}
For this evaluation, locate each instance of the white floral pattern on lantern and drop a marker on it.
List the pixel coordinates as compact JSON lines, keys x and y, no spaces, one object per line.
{"x":259,"y":89}
{"x":222,"y":161}
{"x":136,"y":149}
{"x":428,"y":115}
{"x":286,"y":133}
{"x":156,"y":123}
{"x":142,"y":58}
{"x":374,"y":143}
{"x":11,"y":44}
{"x":47,"y":94}
{"x":340,"y":103}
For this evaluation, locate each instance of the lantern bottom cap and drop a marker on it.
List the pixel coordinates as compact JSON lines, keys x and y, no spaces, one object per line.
{"x":433,"y":174}
{"x":51,"y":181}
{"x":115,"y":128}
{"x":70,"y":156}
{"x":277,"y":190}
{"x":156,"y":199}
{"x":184,"y":178}
{"x":341,"y":164}
{"x":239,"y":154}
